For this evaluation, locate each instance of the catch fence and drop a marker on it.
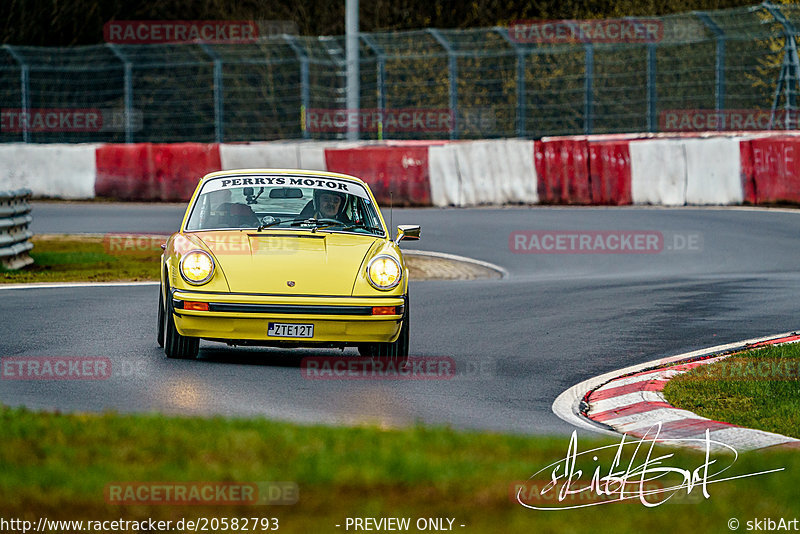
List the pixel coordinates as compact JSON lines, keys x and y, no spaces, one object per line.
{"x":733,"y":69}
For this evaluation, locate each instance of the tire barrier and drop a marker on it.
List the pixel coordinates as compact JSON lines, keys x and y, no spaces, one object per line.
{"x":15,"y":219}
{"x":658,"y":169}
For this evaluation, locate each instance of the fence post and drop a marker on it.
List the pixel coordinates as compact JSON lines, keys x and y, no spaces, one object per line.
{"x":652,"y":96}
{"x":720,"y":63}
{"x":790,"y":69}
{"x":127,"y":90}
{"x":305,"y":91}
{"x":381,"y":75}
{"x":588,"y":89}
{"x":219,"y":96}
{"x":338,"y":61}
{"x":25,"y":91}
{"x":452,"y":71}
{"x":521,"y":110}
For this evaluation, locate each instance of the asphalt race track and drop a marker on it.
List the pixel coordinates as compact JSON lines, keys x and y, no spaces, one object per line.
{"x":518,"y":342}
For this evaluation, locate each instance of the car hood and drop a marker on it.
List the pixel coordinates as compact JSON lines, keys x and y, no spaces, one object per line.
{"x":290,"y":263}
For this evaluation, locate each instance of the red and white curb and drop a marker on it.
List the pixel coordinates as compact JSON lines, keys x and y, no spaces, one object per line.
{"x":630,"y":401}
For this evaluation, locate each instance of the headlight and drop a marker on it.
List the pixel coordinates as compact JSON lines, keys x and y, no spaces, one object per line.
{"x":197,"y":267}
{"x":384,"y":272}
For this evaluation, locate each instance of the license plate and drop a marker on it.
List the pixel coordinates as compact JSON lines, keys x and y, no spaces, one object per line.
{"x":290,"y":330}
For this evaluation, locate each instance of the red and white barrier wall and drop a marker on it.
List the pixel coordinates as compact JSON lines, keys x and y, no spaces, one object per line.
{"x":661,"y":169}
{"x":145,"y":171}
{"x":675,"y":172}
{"x":56,"y":170}
{"x":771,"y":169}
{"x":482,"y":172}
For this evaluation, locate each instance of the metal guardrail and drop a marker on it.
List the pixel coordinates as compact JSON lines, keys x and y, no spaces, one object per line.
{"x":15,"y":218}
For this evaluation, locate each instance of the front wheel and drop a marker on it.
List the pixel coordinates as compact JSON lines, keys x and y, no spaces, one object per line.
{"x":160,"y":326}
{"x":396,"y":350}
{"x":175,"y":345}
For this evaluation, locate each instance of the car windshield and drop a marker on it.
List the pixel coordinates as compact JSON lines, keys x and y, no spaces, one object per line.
{"x":284,"y":201}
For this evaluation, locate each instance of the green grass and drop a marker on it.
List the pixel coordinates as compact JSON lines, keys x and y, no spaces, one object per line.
{"x":86,"y":259}
{"x":58,"y":465}
{"x":735,"y":391}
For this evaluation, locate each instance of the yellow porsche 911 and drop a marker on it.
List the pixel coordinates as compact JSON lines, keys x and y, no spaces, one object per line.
{"x":284,"y":258}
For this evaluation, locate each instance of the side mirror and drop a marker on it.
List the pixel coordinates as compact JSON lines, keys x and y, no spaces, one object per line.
{"x":407,"y":231}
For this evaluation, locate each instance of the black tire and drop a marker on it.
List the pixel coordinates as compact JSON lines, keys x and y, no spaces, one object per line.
{"x":397,"y":350}
{"x":160,"y":327}
{"x":175,"y":345}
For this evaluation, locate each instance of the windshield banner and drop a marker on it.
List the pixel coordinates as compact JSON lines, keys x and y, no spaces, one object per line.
{"x":313,"y":182}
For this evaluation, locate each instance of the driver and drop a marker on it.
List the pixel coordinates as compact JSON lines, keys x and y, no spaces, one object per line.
{"x":327,"y":205}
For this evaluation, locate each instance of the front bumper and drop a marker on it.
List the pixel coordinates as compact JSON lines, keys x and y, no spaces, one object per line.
{"x":238,"y":316}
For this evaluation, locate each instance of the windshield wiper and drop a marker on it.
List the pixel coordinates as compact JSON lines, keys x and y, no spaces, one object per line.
{"x":318,"y":223}
{"x":267,"y":225}
{"x":293,"y":222}
{"x":364,"y":226}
